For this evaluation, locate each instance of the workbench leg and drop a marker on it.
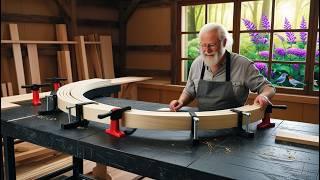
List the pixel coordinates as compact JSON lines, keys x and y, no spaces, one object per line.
{"x":77,"y":167}
{"x":9,"y":160}
{"x":1,"y":161}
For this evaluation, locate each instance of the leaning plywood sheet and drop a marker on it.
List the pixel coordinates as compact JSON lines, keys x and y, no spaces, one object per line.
{"x":17,"y":55}
{"x":107,"y":57}
{"x":34,"y":63}
{"x":298,"y":138}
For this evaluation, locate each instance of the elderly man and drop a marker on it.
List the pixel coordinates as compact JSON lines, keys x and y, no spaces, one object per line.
{"x":219,"y":79}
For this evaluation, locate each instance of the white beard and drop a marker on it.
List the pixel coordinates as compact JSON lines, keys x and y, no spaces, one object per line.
{"x":213,"y":58}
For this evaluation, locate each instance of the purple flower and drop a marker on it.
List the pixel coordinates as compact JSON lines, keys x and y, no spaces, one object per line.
{"x":264,"y":54}
{"x":280,"y":51}
{"x":296,"y":66}
{"x":250,"y":26}
{"x":303,"y":35}
{"x":317,"y":53}
{"x":265,"y":22}
{"x":297,"y":52}
{"x":280,"y":37}
{"x":261,"y":67}
{"x":290,"y":36}
{"x":262,"y":40}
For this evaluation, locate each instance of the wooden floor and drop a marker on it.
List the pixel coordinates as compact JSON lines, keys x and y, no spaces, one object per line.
{"x":33,"y":161}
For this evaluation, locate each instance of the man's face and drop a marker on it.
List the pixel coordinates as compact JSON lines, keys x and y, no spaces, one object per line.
{"x":211,"y":48}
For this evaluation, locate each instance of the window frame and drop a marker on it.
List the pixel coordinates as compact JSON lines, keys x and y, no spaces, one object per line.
{"x":312,"y":31}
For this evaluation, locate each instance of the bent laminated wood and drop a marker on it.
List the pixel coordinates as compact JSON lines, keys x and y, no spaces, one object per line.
{"x":298,"y":138}
{"x":71,"y":94}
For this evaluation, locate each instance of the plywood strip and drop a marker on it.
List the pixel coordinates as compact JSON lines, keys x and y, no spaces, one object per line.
{"x":9,"y":87}
{"x":107,"y":57}
{"x":82,"y":57}
{"x":94,"y":57}
{"x":61,"y":32}
{"x":34,"y":63}
{"x":296,"y":137}
{"x":17,"y":55}
{"x":64,"y":65}
{"x":4,"y":90}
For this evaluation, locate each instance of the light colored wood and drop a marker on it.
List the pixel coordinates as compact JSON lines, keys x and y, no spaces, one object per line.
{"x":22,"y":97}
{"x":36,"y":42}
{"x":72,"y":93}
{"x":4,"y":90}
{"x":61,"y":33}
{"x":100,"y":172}
{"x":82,"y":57}
{"x":94,"y":57}
{"x":64,"y":64}
{"x":34,"y":63}
{"x":9,"y":87}
{"x":45,"y":169}
{"x":33,"y":153}
{"x":296,"y":137}
{"x":17,"y":55}
{"x":107,"y":57}
{"x":8,"y":105}
{"x":60,"y":67}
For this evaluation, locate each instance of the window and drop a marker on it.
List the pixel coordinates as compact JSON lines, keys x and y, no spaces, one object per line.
{"x":276,"y":34}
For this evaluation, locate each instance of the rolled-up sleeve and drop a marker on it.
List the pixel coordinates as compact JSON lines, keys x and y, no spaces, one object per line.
{"x":190,"y":87}
{"x":255,"y":81}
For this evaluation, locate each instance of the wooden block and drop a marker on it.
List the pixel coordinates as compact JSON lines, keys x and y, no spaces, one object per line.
{"x":8,"y":105}
{"x":16,"y":48}
{"x":33,"y":153}
{"x":107,"y":57}
{"x":4,"y":90}
{"x":82,"y":57}
{"x":9,"y":87}
{"x":298,"y":138}
{"x":100,"y":172}
{"x":34,"y":63}
{"x":94,"y":57}
{"x":61,"y":32}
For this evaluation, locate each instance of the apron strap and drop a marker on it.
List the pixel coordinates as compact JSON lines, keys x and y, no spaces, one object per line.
{"x":228,"y":59}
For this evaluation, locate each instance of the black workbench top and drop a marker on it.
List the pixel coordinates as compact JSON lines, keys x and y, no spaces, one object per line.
{"x":170,"y":154}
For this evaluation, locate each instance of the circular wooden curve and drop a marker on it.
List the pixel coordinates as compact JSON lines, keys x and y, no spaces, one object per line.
{"x":73,"y":93}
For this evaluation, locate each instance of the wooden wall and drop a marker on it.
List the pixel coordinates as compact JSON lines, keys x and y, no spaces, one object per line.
{"x":36,"y":20}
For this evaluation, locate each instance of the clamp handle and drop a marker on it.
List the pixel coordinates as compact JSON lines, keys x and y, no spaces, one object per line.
{"x":265,"y":124}
{"x":56,"y":81}
{"x":115,"y":113}
{"x":35,"y":92}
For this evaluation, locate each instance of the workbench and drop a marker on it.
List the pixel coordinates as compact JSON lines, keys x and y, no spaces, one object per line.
{"x":163,"y":154}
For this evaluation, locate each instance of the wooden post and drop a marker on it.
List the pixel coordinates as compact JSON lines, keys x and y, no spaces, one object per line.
{"x":4,"y":90}
{"x":65,"y":65}
{"x":9,"y":87}
{"x":82,"y":63}
{"x":94,"y":57}
{"x":34,"y":63}
{"x":107,"y":57}
{"x":17,"y":55}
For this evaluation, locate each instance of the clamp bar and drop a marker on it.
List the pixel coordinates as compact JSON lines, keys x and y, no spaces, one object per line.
{"x":194,"y":127}
{"x":241,"y":131}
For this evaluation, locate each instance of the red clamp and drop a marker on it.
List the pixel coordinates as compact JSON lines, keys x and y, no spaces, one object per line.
{"x":265,"y":124}
{"x":35,"y":92}
{"x":56,"y":82}
{"x":115,"y":115}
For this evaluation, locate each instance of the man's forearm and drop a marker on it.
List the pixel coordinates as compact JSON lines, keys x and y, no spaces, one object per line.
{"x":185,"y":98}
{"x":268,"y":91}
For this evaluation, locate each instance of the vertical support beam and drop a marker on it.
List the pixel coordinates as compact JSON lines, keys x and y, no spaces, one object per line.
{"x":9,"y":87}
{"x":34,"y":63}
{"x":82,"y":57}
{"x":175,"y":70}
{"x":77,"y":167}
{"x":107,"y":57}
{"x":17,"y":55}
{"x":61,"y":33}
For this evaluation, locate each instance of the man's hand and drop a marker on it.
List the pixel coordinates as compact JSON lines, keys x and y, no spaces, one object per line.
{"x":175,"y":105}
{"x":262,"y":100}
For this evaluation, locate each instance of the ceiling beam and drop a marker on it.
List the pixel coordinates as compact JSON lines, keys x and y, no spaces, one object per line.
{"x":129,"y":11}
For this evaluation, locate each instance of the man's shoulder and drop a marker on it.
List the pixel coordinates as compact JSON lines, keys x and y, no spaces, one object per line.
{"x":197,"y":62}
{"x":240,"y":60}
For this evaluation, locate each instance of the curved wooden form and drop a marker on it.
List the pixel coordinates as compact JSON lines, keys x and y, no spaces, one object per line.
{"x":71,"y":94}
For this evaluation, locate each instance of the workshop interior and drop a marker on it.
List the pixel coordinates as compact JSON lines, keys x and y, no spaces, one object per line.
{"x":159,"y":89}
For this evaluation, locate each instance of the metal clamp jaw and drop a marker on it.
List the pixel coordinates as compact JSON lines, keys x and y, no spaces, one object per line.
{"x":79,"y":121}
{"x":54,"y":105}
{"x":243,"y":132}
{"x":194,"y":128}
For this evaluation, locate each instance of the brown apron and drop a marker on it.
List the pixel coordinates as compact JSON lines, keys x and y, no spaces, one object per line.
{"x":213,"y":95}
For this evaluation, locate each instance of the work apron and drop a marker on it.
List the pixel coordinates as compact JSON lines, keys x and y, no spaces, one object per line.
{"x":213,"y":95}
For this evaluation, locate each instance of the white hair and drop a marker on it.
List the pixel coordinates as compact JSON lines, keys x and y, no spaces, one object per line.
{"x":222,"y":31}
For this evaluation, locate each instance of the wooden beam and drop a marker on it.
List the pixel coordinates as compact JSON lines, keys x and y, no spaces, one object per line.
{"x":82,"y":58}
{"x":34,"y":63}
{"x":129,"y":11}
{"x":153,"y":48}
{"x":175,"y":62}
{"x":298,"y":138}
{"x":107,"y":57}
{"x":61,"y":33}
{"x":17,"y":58}
{"x":9,"y":87}
{"x":13,"y":17}
{"x":63,"y":8}
{"x":97,"y":23}
{"x":95,"y":57}
{"x":4,"y":90}
{"x":65,"y":63}
{"x":147,"y":72}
